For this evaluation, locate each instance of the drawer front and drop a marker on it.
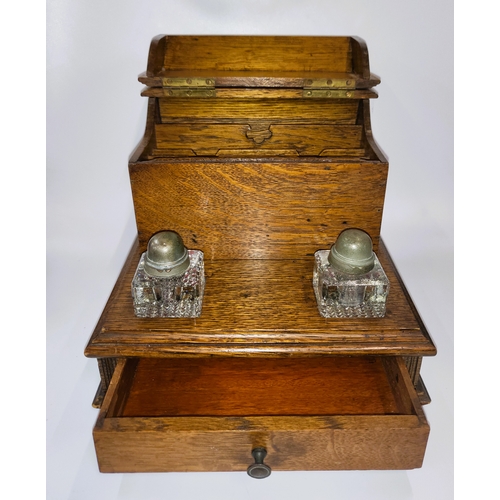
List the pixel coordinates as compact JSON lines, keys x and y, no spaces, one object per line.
{"x":150,"y":420}
{"x":292,"y":443}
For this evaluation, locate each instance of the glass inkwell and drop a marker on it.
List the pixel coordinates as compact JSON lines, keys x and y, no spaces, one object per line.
{"x":348,"y":280}
{"x":169,"y":280}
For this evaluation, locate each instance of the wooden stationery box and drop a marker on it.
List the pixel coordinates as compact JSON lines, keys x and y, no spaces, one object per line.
{"x":259,"y":151}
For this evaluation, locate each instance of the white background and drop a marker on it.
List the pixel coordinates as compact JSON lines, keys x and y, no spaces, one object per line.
{"x":95,"y":117}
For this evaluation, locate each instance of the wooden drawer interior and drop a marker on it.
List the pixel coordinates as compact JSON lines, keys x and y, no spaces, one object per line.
{"x":330,"y":408}
{"x":259,"y":387}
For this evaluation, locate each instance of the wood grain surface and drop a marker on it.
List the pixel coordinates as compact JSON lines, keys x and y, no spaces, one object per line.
{"x":258,"y":308}
{"x":258,"y":387}
{"x":272,"y":110}
{"x":259,"y":61}
{"x":266,"y":53}
{"x":305,"y":140}
{"x":248,"y":210}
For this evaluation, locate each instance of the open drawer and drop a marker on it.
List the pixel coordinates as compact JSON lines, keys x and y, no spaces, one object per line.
{"x":308,"y":413}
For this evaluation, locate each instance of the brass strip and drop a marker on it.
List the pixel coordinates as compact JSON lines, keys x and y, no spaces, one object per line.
{"x":323,"y":93}
{"x":330,"y":83}
{"x":189,"y":92}
{"x":188,"y":82}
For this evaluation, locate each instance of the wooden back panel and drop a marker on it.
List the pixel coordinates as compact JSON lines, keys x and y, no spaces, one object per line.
{"x":258,"y":61}
{"x":257,"y":53}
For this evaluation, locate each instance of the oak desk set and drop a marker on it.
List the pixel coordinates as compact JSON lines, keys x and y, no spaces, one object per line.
{"x":258,"y":151}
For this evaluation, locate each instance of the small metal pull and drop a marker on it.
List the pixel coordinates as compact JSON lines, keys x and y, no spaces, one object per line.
{"x":259,"y":470}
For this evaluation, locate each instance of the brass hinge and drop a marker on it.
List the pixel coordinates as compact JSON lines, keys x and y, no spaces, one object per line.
{"x":189,"y":87}
{"x":329,"y":87}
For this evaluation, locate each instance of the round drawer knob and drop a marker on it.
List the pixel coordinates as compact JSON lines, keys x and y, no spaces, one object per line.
{"x":259,"y":470}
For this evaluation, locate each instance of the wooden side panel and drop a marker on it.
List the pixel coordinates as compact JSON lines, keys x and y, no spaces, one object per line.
{"x":360,"y":59}
{"x":253,"y":210}
{"x":257,"y":53}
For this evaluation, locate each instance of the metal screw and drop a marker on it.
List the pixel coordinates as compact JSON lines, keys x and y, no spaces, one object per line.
{"x":329,"y":82}
{"x":189,"y":81}
{"x":348,"y":82}
{"x":309,"y":82}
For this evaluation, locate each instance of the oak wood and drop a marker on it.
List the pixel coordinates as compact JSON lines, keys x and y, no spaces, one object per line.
{"x":146,"y":143}
{"x":318,"y":443}
{"x":338,"y":112}
{"x":259,"y":387}
{"x":400,"y":390}
{"x":259,"y":177}
{"x":193,"y":443}
{"x":305,"y":140}
{"x":338,"y":153}
{"x":257,"y":308}
{"x":278,"y":91}
{"x":360,"y":60}
{"x":254,"y":209}
{"x":268,"y":80}
{"x":372,"y":149}
{"x":258,"y":61}
{"x":156,"y":54}
{"x":266,"y":53}
{"x":120,"y":393}
{"x":272,"y":110}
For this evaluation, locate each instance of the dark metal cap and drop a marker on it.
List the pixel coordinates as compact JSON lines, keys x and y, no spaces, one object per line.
{"x":352,"y":253}
{"x":166,"y":255}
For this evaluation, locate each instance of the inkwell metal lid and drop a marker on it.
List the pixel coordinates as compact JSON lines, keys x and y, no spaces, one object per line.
{"x":166,"y":255}
{"x":352,"y":253}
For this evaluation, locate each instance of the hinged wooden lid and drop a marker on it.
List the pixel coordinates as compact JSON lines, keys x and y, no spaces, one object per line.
{"x":201,"y":64}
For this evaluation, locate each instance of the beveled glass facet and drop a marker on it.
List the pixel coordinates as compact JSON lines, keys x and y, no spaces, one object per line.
{"x":175,"y":297}
{"x":343,"y":295}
